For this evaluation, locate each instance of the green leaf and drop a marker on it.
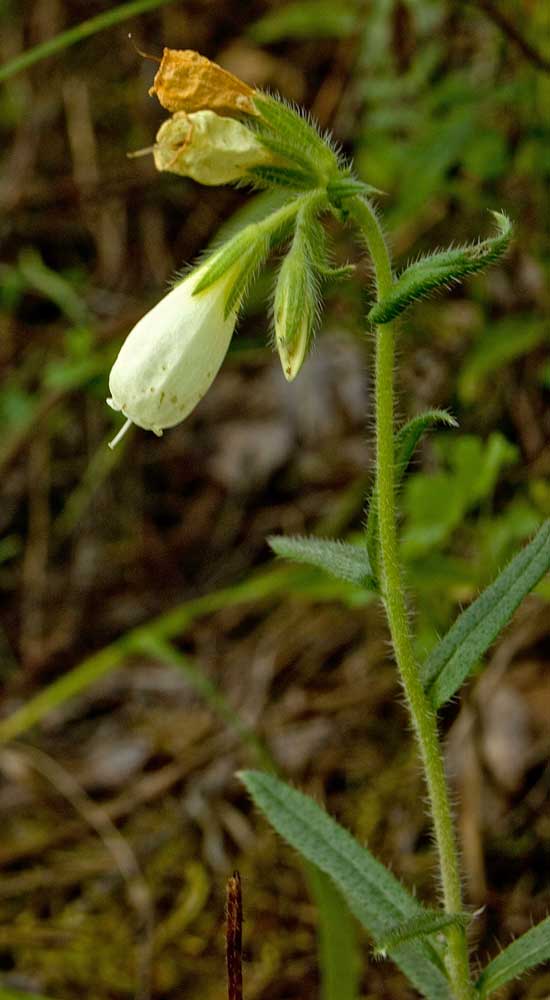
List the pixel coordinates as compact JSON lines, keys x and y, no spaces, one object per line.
{"x":436,"y":504}
{"x":440,"y":270}
{"x":339,"y":953}
{"x":525,"y":953}
{"x":307,"y":19}
{"x":345,"y":562}
{"x":476,"y":629}
{"x":374,"y":895}
{"x":406,"y":441}
{"x":423,"y":925}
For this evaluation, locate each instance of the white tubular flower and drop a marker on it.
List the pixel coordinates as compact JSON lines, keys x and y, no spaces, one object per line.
{"x":170,"y":358}
{"x":208,"y":148}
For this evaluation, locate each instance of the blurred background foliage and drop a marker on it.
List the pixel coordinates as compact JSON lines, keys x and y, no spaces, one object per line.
{"x":140,"y":670}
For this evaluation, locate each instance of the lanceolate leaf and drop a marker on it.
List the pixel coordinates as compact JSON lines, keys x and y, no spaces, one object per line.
{"x":405,"y":443}
{"x":525,"y":953}
{"x":440,"y":270}
{"x":374,"y":895}
{"x":476,"y":629}
{"x":344,"y":561}
{"x":431,"y":922}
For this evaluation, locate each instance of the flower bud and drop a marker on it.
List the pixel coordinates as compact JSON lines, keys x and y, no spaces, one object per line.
{"x":187,"y":81}
{"x":296,"y":302}
{"x":208,"y":148}
{"x":170,"y":358}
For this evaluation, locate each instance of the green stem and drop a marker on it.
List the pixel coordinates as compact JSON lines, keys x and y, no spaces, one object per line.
{"x":423,"y":715}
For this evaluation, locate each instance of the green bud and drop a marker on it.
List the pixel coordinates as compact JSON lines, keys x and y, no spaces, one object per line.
{"x":296,"y":302}
{"x":294,"y":315}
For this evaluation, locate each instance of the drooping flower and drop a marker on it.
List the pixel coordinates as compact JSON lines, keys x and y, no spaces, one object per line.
{"x":208,"y":148}
{"x":170,"y":358}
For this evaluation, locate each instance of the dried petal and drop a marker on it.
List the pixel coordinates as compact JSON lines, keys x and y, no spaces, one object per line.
{"x":187,"y":81}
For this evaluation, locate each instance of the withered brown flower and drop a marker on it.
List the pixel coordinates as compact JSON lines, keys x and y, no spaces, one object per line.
{"x":187,"y":81}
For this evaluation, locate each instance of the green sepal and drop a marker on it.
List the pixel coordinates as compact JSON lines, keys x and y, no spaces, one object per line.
{"x":223,"y":259}
{"x":421,"y":926}
{"x":340,"y":559}
{"x":526,"y":952}
{"x":292,"y":126}
{"x":441,"y":270}
{"x":337,"y":273}
{"x":246,"y":251}
{"x":475,"y":630}
{"x":288,"y":177}
{"x":406,"y":441}
{"x":293,"y":157}
{"x":348,"y":187}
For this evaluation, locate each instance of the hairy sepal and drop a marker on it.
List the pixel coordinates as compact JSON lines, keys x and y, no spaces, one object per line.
{"x":340,"y":559}
{"x":249,"y":248}
{"x":280,"y":121}
{"x":461,"y":649}
{"x":285,"y":177}
{"x":441,"y":270}
{"x":406,"y":441}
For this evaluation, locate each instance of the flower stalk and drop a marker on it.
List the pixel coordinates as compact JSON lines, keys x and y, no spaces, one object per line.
{"x":393,"y":593}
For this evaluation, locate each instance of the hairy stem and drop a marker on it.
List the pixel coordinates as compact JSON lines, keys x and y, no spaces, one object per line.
{"x":423,"y":715}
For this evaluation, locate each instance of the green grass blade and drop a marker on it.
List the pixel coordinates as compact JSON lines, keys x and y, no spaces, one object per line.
{"x":374,"y":895}
{"x":174,"y":622}
{"x":77,"y":34}
{"x":475,"y":630}
{"x":525,"y":953}
{"x":339,"y":954}
{"x":339,"y":559}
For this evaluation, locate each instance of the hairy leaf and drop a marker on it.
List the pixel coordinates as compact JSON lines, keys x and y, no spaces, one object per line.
{"x":406,"y":441}
{"x":344,"y":561}
{"x":431,"y":922}
{"x":525,"y":953}
{"x":440,"y":270}
{"x":374,"y":895}
{"x":476,"y":629}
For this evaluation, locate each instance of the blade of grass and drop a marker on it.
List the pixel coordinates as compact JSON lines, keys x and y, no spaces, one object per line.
{"x":263,"y":585}
{"x":339,"y":955}
{"x":77,"y":34}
